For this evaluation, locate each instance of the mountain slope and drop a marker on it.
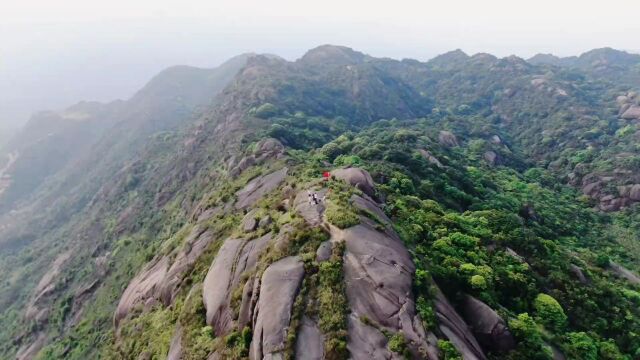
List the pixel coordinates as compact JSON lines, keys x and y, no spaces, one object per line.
{"x":450,"y":225}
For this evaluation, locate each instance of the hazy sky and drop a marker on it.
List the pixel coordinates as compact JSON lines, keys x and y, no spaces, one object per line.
{"x":54,"y":53}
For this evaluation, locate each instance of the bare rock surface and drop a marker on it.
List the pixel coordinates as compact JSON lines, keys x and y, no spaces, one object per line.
{"x":175,"y":347}
{"x":259,"y":187}
{"x":359,"y":178}
{"x":491,"y":158}
{"x":309,"y":341}
{"x":366,"y":342}
{"x":279,"y":287}
{"x":448,"y":139}
{"x":632,"y":113}
{"x":369,"y":206}
{"x":324,"y":251}
{"x":455,"y":329}
{"x":489,"y":328}
{"x":310,"y":211}
{"x":142,"y":287}
{"x":249,"y":221}
{"x":217,"y":283}
{"x":430,"y":158}
{"x":30,"y":351}
{"x":624,"y":273}
{"x":578,"y":274}
{"x":378,"y":272}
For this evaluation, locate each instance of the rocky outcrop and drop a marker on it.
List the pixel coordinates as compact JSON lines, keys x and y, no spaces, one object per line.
{"x":309,"y":341}
{"x":367,"y":342}
{"x":430,"y":158}
{"x":265,"y":149}
{"x":249,"y":221}
{"x":36,"y":309}
{"x":142,"y":288}
{"x":259,"y":187}
{"x":323,"y":253}
{"x":358,"y":178}
{"x":279,"y":287}
{"x":309,"y":210}
{"x":378,"y":272}
{"x":489,"y":328}
{"x":175,"y":347}
{"x":235,"y":257}
{"x":448,"y":139}
{"x":491,"y":158}
{"x":632,"y":113}
{"x":30,"y":351}
{"x":578,"y":274}
{"x":624,"y":273}
{"x":455,"y":329}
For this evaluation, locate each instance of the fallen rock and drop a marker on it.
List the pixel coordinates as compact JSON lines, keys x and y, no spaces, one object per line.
{"x":309,"y":341}
{"x":249,"y":221}
{"x":446,"y":138}
{"x":489,"y":328}
{"x":280,"y":285}
{"x":358,"y":178}
{"x":455,"y":329}
{"x":324,"y":251}
{"x":259,"y":187}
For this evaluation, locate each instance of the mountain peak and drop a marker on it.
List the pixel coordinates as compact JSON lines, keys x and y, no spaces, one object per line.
{"x":333,"y":55}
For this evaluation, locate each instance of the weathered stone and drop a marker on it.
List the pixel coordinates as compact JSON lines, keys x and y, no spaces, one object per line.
{"x":378,"y":273}
{"x":430,"y":158}
{"x":455,"y":329}
{"x":310,"y":211}
{"x":142,"y":287}
{"x":309,"y":341}
{"x":446,"y":138}
{"x":249,"y":222}
{"x":514,"y":254}
{"x":29,"y":351}
{"x":366,"y":342}
{"x":369,"y":206}
{"x":632,"y":113}
{"x":491,"y":158}
{"x":324,"y":251}
{"x":495,"y":139}
{"x":578,"y":274}
{"x":357,"y":177}
{"x":217,"y":284}
{"x":265,"y":221}
{"x":259,"y":187}
{"x":624,"y":273}
{"x":489,"y":328}
{"x":175,"y":348}
{"x":279,"y":287}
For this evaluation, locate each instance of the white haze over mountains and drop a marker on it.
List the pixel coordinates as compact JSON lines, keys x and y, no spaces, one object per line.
{"x":56,"y":53}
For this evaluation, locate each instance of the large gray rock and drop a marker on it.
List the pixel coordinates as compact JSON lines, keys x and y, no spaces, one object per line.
{"x":29,"y":351}
{"x":365,"y":204}
{"x":234,"y":258}
{"x":578,"y":274}
{"x":491,"y":158}
{"x":142,"y":287}
{"x":378,"y":272}
{"x":175,"y":348}
{"x":358,"y":178}
{"x":323,"y":253}
{"x":309,"y":341}
{"x":489,"y":328}
{"x":624,"y":273}
{"x":366,"y":342}
{"x":430,"y":158}
{"x":310,"y":211}
{"x":447,"y":139}
{"x":455,"y":329}
{"x":279,"y":287}
{"x":195,"y":244}
{"x":250,"y":221}
{"x":632,"y":113}
{"x":259,"y":187}
{"x":217,"y":286}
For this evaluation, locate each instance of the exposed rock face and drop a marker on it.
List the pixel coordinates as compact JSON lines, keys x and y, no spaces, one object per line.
{"x":358,"y":178}
{"x":455,"y":329}
{"x":310,"y":211}
{"x":366,"y":342}
{"x":30,"y":351}
{"x":378,"y":272}
{"x":447,"y":139}
{"x":430,"y":158}
{"x":632,"y":113}
{"x":280,"y":284}
{"x":235,"y":257}
{"x":35,"y":310}
{"x":624,"y":273}
{"x":175,"y":348}
{"x":265,"y":149}
{"x":259,"y":187}
{"x":489,"y":328}
{"x":578,"y":274}
{"x":250,"y":222}
{"x":324,"y":251}
{"x":491,"y":158}
{"x":309,"y":341}
{"x":141,"y":288}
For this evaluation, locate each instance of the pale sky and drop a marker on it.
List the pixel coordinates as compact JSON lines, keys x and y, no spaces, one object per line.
{"x":54,"y":53}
